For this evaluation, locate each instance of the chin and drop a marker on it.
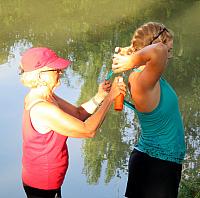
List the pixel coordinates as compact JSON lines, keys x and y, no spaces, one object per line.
{"x":58,"y":84}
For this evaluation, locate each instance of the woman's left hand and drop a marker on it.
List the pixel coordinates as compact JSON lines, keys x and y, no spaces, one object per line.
{"x":106,"y":86}
{"x":104,"y":89}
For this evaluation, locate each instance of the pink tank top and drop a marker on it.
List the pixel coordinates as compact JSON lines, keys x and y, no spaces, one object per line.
{"x":45,"y":157}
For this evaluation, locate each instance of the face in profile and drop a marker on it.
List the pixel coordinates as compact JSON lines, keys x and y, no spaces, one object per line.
{"x":51,"y":77}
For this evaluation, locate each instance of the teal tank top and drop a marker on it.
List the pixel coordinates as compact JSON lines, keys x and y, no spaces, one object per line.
{"x":162,"y":131}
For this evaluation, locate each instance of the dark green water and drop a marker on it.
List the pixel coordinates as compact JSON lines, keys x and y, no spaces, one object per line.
{"x":87,"y":32}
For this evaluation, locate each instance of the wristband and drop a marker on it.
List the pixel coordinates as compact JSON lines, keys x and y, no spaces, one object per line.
{"x":93,"y":104}
{"x":98,"y":98}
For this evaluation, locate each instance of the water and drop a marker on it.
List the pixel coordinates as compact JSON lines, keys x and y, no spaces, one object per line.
{"x":87,"y":32}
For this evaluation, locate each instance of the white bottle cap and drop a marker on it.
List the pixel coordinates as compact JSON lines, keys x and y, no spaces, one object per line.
{"x":120,"y":80}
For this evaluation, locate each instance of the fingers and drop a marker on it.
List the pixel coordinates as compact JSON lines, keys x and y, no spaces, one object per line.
{"x":117,"y":88}
{"x":122,"y":88}
{"x":120,"y":85}
{"x":107,"y":88}
{"x":116,"y":80}
{"x":117,"y":49}
{"x":118,"y":70}
{"x":106,"y":85}
{"x":115,"y":64}
{"x":116,"y":56}
{"x":119,"y":62}
{"x":107,"y":82}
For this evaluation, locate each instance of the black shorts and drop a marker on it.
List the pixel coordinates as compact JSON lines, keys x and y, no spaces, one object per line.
{"x":39,"y":193}
{"x":151,"y":177}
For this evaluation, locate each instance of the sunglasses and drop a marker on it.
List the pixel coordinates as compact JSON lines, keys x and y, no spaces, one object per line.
{"x":60,"y":72}
{"x":21,"y":71}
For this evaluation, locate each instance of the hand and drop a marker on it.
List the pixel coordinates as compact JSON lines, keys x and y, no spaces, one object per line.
{"x":117,"y":88}
{"x":106,"y":85}
{"x":104,"y":88}
{"x":122,"y":63}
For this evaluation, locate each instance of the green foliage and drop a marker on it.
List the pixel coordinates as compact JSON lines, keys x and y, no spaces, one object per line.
{"x":99,"y":51}
{"x":190,"y":188}
{"x":107,"y":147}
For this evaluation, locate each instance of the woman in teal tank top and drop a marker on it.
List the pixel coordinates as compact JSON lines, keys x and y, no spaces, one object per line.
{"x":155,"y":164}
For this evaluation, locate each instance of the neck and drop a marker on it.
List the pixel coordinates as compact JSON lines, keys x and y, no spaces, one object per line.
{"x":42,"y":91}
{"x":39,"y":93}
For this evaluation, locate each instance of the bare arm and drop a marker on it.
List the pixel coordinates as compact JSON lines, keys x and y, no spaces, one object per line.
{"x":154,"y":57}
{"x":68,"y":125}
{"x":78,"y":112}
{"x":144,"y":85}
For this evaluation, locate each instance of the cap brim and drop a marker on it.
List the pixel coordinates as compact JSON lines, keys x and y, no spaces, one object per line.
{"x":59,"y":63}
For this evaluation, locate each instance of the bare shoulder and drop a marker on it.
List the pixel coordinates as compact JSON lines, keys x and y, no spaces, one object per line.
{"x":46,"y":109}
{"x":132,"y":79}
{"x":145,"y":100}
{"x":133,"y":75}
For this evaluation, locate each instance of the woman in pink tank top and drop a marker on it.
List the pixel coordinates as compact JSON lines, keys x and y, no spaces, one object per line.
{"x":48,"y":120}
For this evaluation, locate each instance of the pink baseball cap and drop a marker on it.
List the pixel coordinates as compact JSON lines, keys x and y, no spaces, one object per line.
{"x":38,"y":57}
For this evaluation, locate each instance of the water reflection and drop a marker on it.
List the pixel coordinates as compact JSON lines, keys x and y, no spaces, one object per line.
{"x":88,"y":39}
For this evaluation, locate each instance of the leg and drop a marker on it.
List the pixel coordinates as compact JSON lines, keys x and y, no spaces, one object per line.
{"x":150,"y":177}
{"x":163,"y":179}
{"x":39,"y":193}
{"x":137,"y":174}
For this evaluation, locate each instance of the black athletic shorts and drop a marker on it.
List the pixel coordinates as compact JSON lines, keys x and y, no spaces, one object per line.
{"x":151,"y":177}
{"x":39,"y":193}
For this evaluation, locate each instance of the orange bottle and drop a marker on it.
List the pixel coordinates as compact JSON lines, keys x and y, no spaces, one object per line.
{"x":119,"y":100}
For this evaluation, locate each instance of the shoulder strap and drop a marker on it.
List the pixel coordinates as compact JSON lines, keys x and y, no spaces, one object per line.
{"x":129,"y":105}
{"x":37,"y":124}
{"x":34,"y":103}
{"x":136,"y":70}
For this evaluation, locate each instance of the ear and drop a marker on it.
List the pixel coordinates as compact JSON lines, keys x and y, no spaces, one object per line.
{"x":41,"y":79}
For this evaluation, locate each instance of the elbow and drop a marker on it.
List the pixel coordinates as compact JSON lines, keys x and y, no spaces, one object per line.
{"x":161,"y":49}
{"x":92,"y":134}
{"x":90,"y":130}
{"x":158,"y":52}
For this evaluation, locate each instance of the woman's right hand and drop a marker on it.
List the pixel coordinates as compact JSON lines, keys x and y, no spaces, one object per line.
{"x":122,"y":63}
{"x":117,"y":88}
